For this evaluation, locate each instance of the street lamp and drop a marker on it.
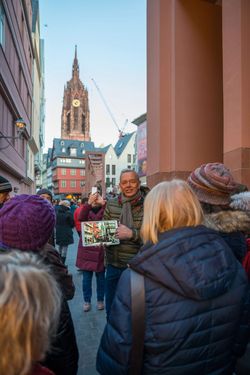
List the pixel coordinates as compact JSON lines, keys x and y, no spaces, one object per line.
{"x":21,"y":126}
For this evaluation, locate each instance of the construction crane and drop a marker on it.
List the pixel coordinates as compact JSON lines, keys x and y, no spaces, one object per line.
{"x":120,"y":130}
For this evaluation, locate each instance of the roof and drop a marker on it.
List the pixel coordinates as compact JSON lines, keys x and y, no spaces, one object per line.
{"x":61,"y":147}
{"x":139,"y":120}
{"x":105,"y":149}
{"x":122,"y":143}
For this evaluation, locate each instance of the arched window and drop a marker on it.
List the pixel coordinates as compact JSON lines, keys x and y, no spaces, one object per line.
{"x":76,"y":117}
{"x":83,"y":123}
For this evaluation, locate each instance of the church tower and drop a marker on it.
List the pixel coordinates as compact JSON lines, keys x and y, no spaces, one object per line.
{"x":75,"y":111}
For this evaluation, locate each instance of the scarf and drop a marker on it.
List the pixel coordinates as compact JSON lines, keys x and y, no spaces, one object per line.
{"x":126,"y":216}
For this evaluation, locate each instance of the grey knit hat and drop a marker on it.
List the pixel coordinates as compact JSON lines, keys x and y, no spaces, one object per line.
{"x":5,"y":185}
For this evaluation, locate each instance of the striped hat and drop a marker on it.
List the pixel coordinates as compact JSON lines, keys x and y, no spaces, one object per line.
{"x":213,"y":183}
{"x":5,"y":185}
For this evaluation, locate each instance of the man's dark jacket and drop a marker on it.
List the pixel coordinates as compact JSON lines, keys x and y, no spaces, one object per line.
{"x":194,"y":290}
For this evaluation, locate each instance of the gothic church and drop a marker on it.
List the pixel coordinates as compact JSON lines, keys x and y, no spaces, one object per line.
{"x":75,"y":112}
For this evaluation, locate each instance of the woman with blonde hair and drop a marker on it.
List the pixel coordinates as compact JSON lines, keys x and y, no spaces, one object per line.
{"x":29,"y":312}
{"x":188,"y":321}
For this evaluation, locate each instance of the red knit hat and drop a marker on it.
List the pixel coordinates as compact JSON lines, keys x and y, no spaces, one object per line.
{"x":213,"y":183}
{"x":26,"y":222}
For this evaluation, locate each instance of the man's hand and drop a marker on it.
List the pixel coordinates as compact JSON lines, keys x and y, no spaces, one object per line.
{"x":124,"y":233}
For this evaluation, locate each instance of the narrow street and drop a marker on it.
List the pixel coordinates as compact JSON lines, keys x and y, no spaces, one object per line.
{"x":88,"y":326}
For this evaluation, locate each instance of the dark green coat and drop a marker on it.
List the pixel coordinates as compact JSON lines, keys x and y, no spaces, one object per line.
{"x":120,"y":255}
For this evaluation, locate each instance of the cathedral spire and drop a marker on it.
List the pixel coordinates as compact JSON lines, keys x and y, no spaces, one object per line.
{"x":75,"y":69}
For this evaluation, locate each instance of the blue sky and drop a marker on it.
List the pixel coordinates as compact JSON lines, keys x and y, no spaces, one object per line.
{"x":111,"y":44}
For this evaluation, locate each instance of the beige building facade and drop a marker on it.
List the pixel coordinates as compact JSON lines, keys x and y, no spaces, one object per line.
{"x":198,"y":87}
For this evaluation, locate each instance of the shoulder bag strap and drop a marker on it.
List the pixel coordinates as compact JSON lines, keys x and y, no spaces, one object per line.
{"x":138,"y":322}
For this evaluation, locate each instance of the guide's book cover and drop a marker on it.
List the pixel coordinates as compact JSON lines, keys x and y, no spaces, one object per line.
{"x":96,"y":233}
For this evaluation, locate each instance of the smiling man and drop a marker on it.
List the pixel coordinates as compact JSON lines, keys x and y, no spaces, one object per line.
{"x":127,"y":209}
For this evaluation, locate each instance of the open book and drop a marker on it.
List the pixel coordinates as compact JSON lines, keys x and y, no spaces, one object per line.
{"x":99,"y":232}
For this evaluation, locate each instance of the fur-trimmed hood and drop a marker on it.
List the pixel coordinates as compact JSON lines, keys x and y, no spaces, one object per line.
{"x":228,"y":221}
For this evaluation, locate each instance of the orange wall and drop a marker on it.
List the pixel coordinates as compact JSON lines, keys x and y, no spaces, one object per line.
{"x":185,"y":106}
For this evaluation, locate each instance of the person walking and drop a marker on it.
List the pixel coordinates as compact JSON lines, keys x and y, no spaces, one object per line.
{"x":194,"y":288}
{"x":127,"y":209}
{"x":90,"y":259}
{"x":64,"y":225}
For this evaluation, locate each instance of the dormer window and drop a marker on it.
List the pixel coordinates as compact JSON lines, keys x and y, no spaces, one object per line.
{"x":62,"y":143}
{"x":73,"y":151}
{"x":63,"y":149}
{"x":82,"y":144}
{"x":120,"y":145}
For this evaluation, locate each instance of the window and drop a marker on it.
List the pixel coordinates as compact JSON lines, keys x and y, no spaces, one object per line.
{"x":113,"y":181}
{"x":73,"y":151}
{"x":129,"y":166}
{"x":2,"y":25}
{"x":107,"y":169}
{"x":63,"y":171}
{"x":63,"y":149}
{"x":82,"y":172}
{"x":62,"y":143}
{"x":75,"y":118}
{"x":113,"y":169}
{"x":82,"y":145}
{"x":73,"y":184}
{"x":129,"y":158}
{"x":72,"y":172}
{"x":63,"y":184}
{"x":134,"y":159}
{"x":107,"y":181}
{"x":82,"y":162}
{"x":68,"y":161}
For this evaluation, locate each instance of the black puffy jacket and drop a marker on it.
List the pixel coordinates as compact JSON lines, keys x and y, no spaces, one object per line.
{"x":194,"y":289}
{"x":64,"y":225}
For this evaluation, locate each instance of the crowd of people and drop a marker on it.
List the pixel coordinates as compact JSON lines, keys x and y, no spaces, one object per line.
{"x":175,"y":284}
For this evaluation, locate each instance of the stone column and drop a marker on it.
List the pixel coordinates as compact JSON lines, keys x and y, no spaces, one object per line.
{"x":185,"y":98}
{"x":236,"y":85}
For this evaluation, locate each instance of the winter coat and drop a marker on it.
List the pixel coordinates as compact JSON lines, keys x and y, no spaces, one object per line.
{"x":63,"y":356}
{"x":231,"y":225}
{"x":90,"y":258}
{"x":76,"y":220}
{"x":194,"y":289}
{"x":120,"y":255}
{"x":64,"y":225}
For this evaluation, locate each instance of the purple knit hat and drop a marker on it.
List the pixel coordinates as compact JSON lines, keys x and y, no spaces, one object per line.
{"x":26,"y":222}
{"x":213,"y":183}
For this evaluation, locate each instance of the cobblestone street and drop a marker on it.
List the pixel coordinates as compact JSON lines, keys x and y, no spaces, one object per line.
{"x":88,"y":326}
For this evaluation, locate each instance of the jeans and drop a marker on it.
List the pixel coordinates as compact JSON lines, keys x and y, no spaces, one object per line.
{"x":87,"y":285}
{"x":113,"y":275}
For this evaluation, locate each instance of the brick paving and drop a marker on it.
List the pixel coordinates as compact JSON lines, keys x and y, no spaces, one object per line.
{"x":88,"y":326}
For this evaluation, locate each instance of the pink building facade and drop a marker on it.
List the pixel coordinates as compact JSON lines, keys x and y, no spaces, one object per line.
{"x":16,"y":59}
{"x":198,"y":87}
